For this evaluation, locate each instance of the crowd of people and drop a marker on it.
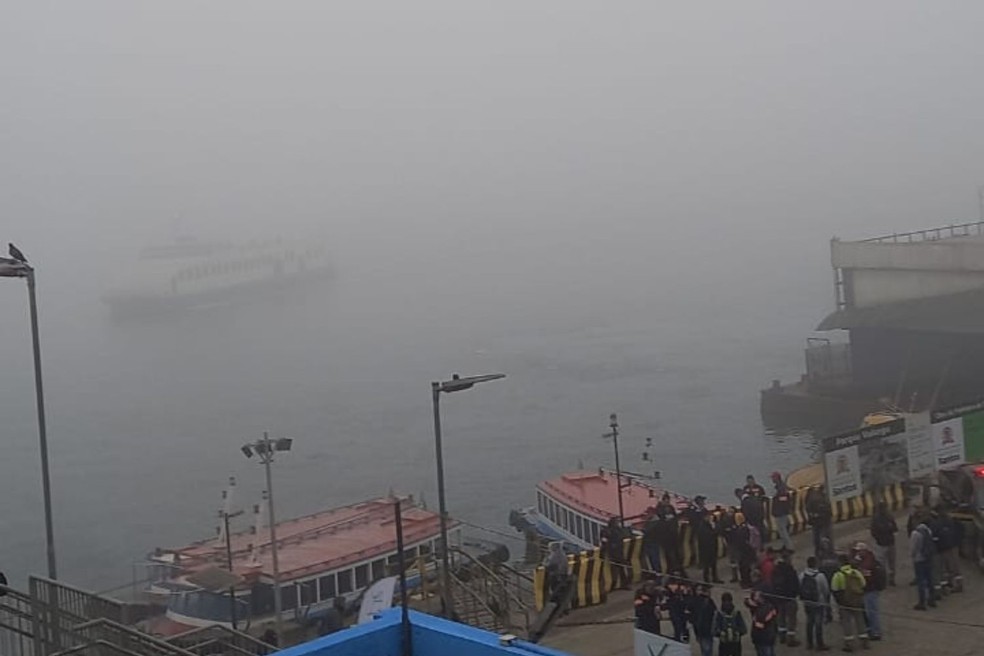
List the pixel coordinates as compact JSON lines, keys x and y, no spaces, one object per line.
{"x":849,"y":582}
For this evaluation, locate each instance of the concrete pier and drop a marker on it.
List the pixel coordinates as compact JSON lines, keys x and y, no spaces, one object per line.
{"x":955,"y":628}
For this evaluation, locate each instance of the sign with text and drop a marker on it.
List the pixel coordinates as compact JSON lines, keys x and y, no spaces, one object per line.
{"x":866,"y":459}
{"x":922,"y":450}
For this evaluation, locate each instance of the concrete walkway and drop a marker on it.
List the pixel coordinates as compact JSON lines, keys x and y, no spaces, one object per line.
{"x":948,"y":630}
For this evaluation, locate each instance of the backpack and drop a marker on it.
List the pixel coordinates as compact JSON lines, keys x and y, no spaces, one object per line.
{"x":729,"y":627}
{"x":878,"y":577}
{"x":928,"y":546}
{"x":809,"y":589}
{"x":854,"y":584}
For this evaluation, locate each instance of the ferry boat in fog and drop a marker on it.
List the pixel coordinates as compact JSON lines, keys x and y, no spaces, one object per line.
{"x":329,"y":555}
{"x":188,"y":273}
{"x":574,"y":507}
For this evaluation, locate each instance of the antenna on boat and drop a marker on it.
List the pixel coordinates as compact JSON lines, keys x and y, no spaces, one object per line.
{"x":254,"y":551}
{"x":226,"y":508}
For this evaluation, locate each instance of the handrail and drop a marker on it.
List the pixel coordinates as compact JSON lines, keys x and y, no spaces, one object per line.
{"x":129,"y":633}
{"x":100,"y":645}
{"x":474,"y":595}
{"x":492,"y":573}
{"x":929,"y":234}
{"x":238,"y":636}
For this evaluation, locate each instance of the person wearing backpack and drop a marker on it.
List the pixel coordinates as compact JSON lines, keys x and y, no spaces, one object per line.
{"x":848,"y":587}
{"x":874,"y":576}
{"x":729,"y":627}
{"x":921,"y":552}
{"x":815,"y":594}
{"x":948,"y":545}
{"x":883,"y":530}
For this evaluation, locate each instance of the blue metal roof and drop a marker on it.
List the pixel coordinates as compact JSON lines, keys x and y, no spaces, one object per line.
{"x":430,"y":636}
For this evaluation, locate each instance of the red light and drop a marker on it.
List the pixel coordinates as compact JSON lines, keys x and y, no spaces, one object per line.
{"x":979,"y":472}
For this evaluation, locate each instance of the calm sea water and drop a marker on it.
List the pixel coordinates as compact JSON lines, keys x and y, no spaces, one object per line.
{"x":146,"y":418}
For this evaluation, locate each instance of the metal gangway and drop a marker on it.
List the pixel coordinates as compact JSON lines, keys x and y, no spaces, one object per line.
{"x":57,"y":619}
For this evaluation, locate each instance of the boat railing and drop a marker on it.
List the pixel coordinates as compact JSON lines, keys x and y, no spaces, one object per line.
{"x":974,"y":228}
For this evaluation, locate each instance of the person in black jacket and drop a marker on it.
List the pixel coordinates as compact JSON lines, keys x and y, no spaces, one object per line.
{"x":728,"y":528}
{"x":649,"y":607}
{"x":651,"y":537}
{"x":883,"y":530}
{"x":678,"y":594}
{"x":786,"y":589}
{"x":753,"y":508}
{"x":702,"y":611}
{"x":669,"y":533}
{"x":763,"y":620}
{"x":782,"y":506}
{"x":707,"y":535}
{"x":611,"y":549}
{"x":819,"y":516}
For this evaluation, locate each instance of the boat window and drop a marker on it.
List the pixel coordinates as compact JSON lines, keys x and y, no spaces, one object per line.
{"x":580,"y":526}
{"x":361,"y":576}
{"x":288,"y":596}
{"x":539,"y":502}
{"x":570,"y":520}
{"x":425,"y":549}
{"x":594,"y":533}
{"x":378,"y":569}
{"x":553,"y":512}
{"x":394,"y":560}
{"x":309,"y":592}
{"x":326,"y":585}
{"x":345,"y":581}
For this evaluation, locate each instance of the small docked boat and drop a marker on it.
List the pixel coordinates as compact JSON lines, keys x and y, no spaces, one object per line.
{"x":575,"y":506}
{"x":189,"y":273}
{"x":327,"y":556}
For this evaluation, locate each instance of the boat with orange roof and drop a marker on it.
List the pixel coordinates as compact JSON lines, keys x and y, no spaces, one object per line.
{"x":575,"y":506}
{"x":330,"y":555}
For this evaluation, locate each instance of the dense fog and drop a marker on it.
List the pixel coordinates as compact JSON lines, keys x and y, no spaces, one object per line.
{"x":622,"y":206}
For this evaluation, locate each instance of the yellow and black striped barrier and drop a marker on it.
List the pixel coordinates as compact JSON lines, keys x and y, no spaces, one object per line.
{"x":588,"y":576}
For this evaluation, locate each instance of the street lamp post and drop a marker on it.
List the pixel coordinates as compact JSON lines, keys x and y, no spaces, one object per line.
{"x":226,"y":516}
{"x":19,"y":268}
{"x":265,"y":449}
{"x":456,"y":384}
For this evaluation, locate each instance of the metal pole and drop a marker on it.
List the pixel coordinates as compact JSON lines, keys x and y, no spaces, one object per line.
{"x":232,"y":588}
{"x":401,"y":562}
{"x":442,"y":503}
{"x":618,"y":469}
{"x":42,"y":429}
{"x":267,"y":459}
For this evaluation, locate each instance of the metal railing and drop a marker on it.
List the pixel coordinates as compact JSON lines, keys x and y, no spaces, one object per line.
{"x":18,"y":624}
{"x":126,"y":637}
{"x":930,"y":234}
{"x":199,"y":640}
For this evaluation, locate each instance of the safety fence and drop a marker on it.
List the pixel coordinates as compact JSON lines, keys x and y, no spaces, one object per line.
{"x":592,"y":577}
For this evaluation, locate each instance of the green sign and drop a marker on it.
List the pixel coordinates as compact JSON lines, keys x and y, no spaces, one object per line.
{"x":973,"y":428}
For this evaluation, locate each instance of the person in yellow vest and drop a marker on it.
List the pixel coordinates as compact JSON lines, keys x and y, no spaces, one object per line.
{"x":848,"y":586}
